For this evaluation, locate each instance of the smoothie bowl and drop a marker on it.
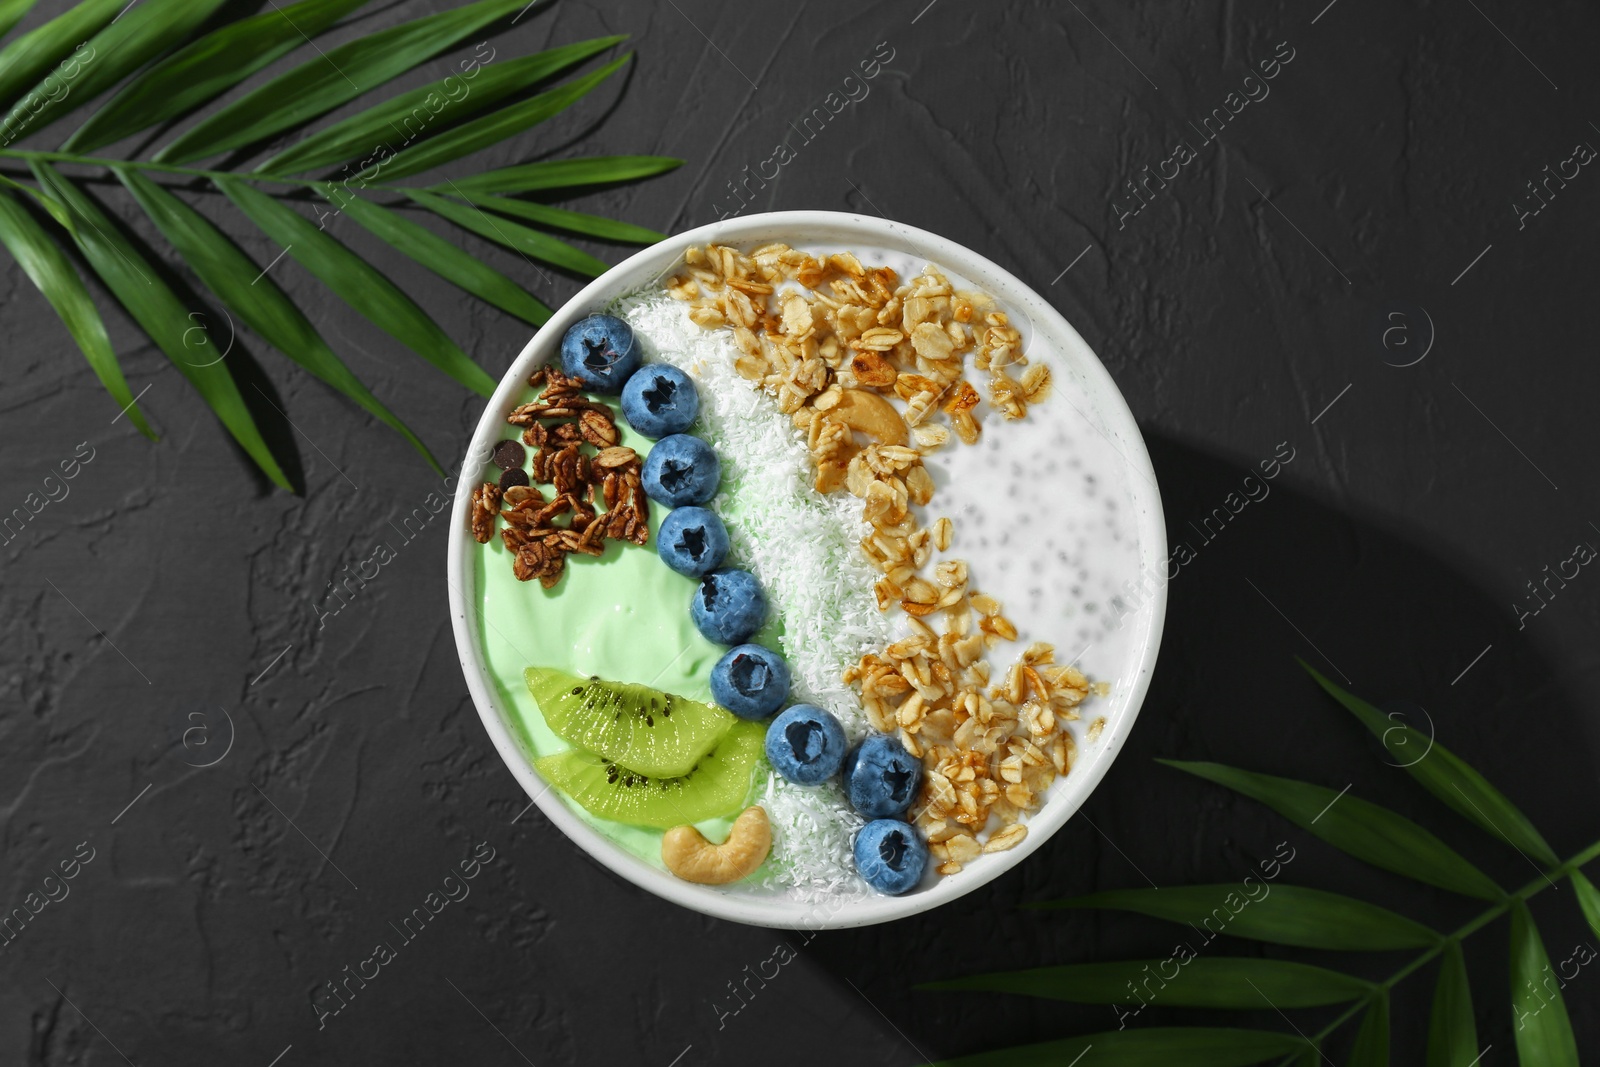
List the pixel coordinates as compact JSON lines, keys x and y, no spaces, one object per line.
{"x":807,"y":570}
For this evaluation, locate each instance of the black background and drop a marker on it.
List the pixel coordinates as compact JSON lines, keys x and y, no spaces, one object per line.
{"x":1379,"y":176}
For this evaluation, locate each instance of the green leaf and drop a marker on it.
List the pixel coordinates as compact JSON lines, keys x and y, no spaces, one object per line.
{"x":529,"y":242}
{"x":156,"y":308}
{"x":367,"y":131}
{"x":1372,"y":1040}
{"x":1163,"y":1046}
{"x":1543,"y":1031}
{"x":495,"y":127}
{"x":1225,"y":982}
{"x":1446,"y":776}
{"x":445,"y":259}
{"x":54,"y":275}
{"x":1280,"y":914}
{"x":358,"y":283}
{"x":55,"y":210}
{"x":1588,"y":899}
{"x":572,"y":221}
{"x":143,"y":32}
{"x":27,"y":59}
{"x":562,"y":174}
{"x":11,"y":12}
{"x":341,"y":74}
{"x":1452,"y":1034}
{"x":253,"y":296}
{"x":1364,"y":830}
{"x":202,"y":71}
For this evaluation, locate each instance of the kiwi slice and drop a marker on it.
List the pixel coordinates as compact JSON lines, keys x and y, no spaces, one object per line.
{"x":643,"y":729}
{"x":717,"y":785}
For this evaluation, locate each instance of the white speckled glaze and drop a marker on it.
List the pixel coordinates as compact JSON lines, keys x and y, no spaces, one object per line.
{"x":1058,"y":515}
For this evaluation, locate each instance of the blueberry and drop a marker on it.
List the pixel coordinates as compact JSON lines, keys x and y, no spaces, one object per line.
{"x":692,"y":541}
{"x":881,"y":777}
{"x":681,"y":470}
{"x":599,"y":349}
{"x":891,"y":856}
{"x":752,"y":682}
{"x":805,"y":744}
{"x":660,"y":400}
{"x":729,"y":606}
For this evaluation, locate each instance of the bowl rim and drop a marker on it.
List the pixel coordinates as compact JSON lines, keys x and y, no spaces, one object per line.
{"x":649,"y":265}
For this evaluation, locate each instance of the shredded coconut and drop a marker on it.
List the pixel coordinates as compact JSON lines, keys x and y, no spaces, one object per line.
{"x":813,"y":831}
{"x":804,"y":548}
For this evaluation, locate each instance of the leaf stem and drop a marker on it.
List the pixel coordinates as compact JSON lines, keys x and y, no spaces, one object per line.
{"x":192,"y":172}
{"x":1533,"y":888}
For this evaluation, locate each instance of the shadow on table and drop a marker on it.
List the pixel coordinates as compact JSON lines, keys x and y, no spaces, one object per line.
{"x":1371,"y":609}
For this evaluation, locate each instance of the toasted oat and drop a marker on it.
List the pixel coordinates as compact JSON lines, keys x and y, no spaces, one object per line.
{"x":1006,"y":838}
{"x":615,"y":456}
{"x":485,"y":505}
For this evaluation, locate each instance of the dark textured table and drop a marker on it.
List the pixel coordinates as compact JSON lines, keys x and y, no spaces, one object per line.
{"x":1345,"y":260}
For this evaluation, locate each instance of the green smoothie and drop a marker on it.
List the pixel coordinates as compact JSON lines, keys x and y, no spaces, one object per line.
{"x":623,"y":616}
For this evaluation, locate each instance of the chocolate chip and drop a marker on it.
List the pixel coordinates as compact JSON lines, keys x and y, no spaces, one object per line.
{"x":514,"y":476}
{"x":509,"y":454}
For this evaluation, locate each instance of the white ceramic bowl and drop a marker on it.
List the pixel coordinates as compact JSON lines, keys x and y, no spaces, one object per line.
{"x":1083,"y":392}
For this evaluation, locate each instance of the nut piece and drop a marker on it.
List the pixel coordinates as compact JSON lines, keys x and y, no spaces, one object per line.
{"x":871,"y":414}
{"x":691,"y":857}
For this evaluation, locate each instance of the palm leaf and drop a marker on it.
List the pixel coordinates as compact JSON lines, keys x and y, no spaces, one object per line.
{"x":1372,"y":1040}
{"x":200,"y":72}
{"x":51,"y":207}
{"x":360,"y":133}
{"x":1227,"y":982}
{"x":339,"y":75}
{"x":1452,"y":1035}
{"x":1191,"y":1046}
{"x":1285,"y":915}
{"x":49,"y":269}
{"x":495,"y":127}
{"x":1446,"y":776}
{"x":131,"y":40}
{"x":253,"y":296}
{"x":532,"y":243}
{"x":561,"y":174}
{"x":137,"y":284}
{"x":160,"y":60}
{"x":1303,"y":917}
{"x":27,"y":59}
{"x":1364,"y":830}
{"x":359,"y":284}
{"x":445,"y":259}
{"x":1543,"y":1030}
{"x":571,"y":221}
{"x":11,"y":12}
{"x":1588,"y":899}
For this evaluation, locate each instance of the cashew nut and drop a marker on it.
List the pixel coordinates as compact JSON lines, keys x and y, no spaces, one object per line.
{"x":691,"y":857}
{"x":871,"y":414}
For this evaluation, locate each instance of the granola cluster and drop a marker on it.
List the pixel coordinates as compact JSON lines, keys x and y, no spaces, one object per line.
{"x":990,"y":745}
{"x":848,"y":329}
{"x":832,"y":348}
{"x":557,"y":426}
